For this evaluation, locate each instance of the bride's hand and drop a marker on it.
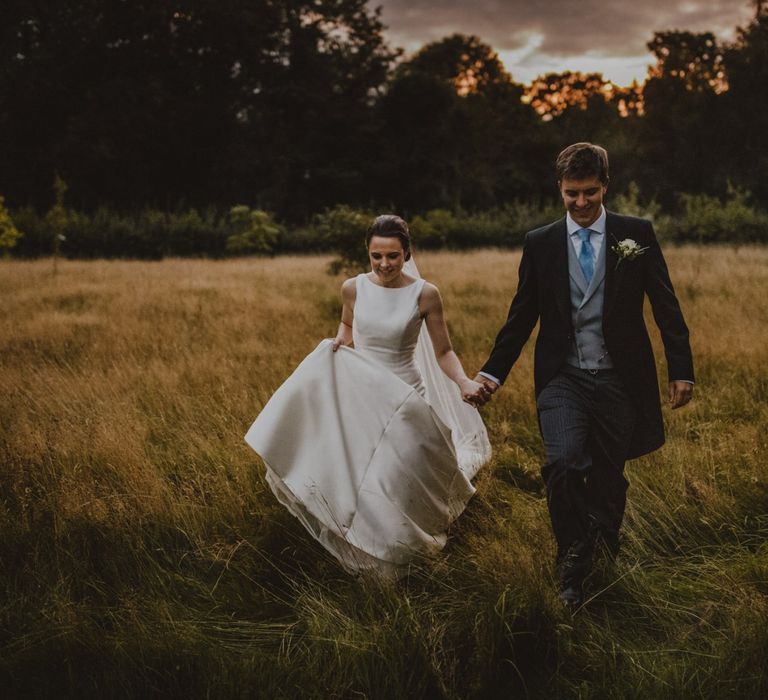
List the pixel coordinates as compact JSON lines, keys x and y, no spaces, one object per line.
{"x":474,"y":393}
{"x":337,"y":343}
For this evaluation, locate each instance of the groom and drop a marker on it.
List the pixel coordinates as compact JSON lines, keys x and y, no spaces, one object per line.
{"x":584,"y":279}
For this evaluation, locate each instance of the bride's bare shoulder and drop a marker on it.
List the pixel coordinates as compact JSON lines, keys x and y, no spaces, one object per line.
{"x":349,"y":288}
{"x":430,"y":299}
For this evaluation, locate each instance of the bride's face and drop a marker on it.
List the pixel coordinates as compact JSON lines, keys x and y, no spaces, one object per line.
{"x":387,"y":258}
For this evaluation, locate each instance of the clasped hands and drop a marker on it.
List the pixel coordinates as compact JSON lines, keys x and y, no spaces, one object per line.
{"x":478,"y":391}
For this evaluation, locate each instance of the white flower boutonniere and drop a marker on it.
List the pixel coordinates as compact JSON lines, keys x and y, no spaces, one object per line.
{"x":627,"y":249}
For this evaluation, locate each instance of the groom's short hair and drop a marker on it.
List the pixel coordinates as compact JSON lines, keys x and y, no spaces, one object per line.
{"x":582,"y":160}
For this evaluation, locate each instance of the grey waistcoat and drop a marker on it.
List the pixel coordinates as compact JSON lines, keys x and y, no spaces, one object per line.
{"x":588,"y":349}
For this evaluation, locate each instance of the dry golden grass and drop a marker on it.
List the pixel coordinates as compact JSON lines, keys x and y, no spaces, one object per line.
{"x":140,"y":541}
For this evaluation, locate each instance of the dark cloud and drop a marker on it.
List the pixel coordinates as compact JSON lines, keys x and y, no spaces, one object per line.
{"x":566,"y":28}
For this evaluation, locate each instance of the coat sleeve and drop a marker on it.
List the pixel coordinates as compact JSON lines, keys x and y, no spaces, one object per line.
{"x":521,"y":319}
{"x":667,"y":313}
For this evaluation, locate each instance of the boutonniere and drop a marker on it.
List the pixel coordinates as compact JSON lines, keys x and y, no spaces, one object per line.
{"x":628,"y":249}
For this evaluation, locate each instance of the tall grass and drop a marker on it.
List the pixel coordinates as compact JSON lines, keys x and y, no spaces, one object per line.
{"x":143,"y":555}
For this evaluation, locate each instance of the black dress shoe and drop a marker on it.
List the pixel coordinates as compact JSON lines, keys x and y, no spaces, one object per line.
{"x":572,"y":569}
{"x":576,"y":563}
{"x":571,"y":596}
{"x":603,"y":539}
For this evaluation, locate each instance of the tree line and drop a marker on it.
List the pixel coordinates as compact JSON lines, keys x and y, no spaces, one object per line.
{"x":296,"y":106}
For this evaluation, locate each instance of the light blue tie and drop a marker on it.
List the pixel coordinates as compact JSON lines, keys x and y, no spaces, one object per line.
{"x":586,"y":254}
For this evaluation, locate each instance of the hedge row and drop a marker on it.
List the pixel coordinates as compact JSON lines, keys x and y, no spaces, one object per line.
{"x":153,"y":234}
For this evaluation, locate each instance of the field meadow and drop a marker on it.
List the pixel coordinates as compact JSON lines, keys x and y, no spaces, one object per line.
{"x":143,"y":555}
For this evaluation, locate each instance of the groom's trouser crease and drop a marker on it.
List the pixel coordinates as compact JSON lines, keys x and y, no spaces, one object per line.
{"x":586,"y":424}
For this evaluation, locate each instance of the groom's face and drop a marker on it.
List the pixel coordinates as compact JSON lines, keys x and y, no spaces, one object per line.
{"x":583,"y":198}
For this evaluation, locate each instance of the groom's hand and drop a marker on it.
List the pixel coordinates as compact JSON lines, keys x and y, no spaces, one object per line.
{"x":488,"y":385}
{"x":680,"y":393}
{"x":474,"y":393}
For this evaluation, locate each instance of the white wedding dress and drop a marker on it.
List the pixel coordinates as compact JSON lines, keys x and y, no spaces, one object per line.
{"x":372,"y":449}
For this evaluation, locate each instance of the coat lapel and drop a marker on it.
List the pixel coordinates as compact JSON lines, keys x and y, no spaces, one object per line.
{"x":613,"y":271}
{"x":559,"y":251}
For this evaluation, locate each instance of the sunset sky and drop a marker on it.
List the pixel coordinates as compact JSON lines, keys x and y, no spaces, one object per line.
{"x":534,"y":37}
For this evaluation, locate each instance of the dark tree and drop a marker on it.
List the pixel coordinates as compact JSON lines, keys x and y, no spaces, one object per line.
{"x":464,"y":62}
{"x":456,"y":132}
{"x":745,"y":134}
{"x":127,"y":101}
{"x":679,"y":137}
{"x":167,"y":101}
{"x":694,"y":61}
{"x":586,"y":107}
{"x":552,"y":94}
{"x":308,"y":133}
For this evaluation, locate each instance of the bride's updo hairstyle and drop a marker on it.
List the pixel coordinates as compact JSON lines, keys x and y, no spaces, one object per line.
{"x":390,"y":226}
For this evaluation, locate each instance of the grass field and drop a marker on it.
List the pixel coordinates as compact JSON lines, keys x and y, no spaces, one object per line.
{"x":142,"y":554}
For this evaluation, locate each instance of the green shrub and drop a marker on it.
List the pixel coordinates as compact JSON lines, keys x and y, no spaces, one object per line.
{"x":706,"y":219}
{"x":153,"y":234}
{"x":434,"y":229}
{"x":9,"y":234}
{"x":303,"y":239}
{"x":36,"y":241}
{"x":342,"y":230}
{"x":194,"y":233}
{"x":255,"y":231}
{"x":108,"y":234}
{"x":58,"y":216}
{"x":504,"y":227}
{"x":630,"y":203}
{"x":147,"y":234}
{"x":520,"y":217}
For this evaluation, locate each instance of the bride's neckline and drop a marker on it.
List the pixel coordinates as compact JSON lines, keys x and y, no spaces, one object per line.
{"x":381,"y":286}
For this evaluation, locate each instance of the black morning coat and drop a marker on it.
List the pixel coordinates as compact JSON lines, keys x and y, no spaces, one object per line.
{"x":543,"y":294}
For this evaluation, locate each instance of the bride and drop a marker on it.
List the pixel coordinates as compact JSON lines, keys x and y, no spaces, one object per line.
{"x":372,"y":449}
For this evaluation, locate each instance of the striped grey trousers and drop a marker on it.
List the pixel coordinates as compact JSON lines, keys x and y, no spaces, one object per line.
{"x":586,"y":422}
